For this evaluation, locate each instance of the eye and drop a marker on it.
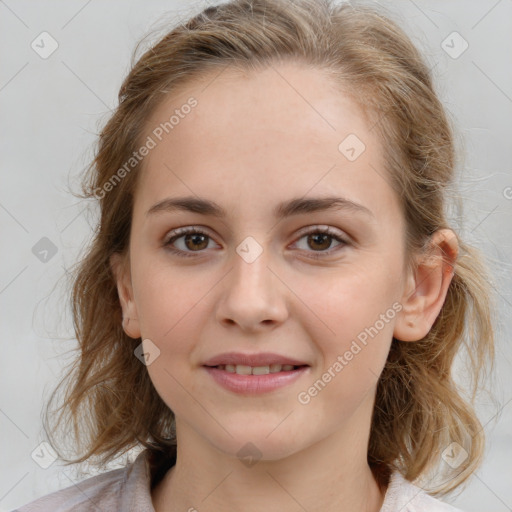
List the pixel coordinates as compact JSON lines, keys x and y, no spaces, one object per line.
{"x":320,"y":239}
{"x":194,"y":240}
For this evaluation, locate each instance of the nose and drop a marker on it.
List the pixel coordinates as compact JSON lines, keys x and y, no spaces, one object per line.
{"x":252,"y":295}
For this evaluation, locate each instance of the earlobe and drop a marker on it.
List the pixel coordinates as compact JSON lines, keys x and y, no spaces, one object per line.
{"x":426,"y":288}
{"x":121,"y":272}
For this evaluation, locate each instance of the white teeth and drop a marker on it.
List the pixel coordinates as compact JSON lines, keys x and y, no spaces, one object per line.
{"x":274,"y":368}
{"x":260,"y":370}
{"x":255,"y":370}
{"x":241,"y":369}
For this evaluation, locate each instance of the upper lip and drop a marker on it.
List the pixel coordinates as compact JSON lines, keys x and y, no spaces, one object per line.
{"x":261,"y":359}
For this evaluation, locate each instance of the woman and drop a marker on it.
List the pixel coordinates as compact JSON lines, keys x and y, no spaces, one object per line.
{"x":273,"y":299}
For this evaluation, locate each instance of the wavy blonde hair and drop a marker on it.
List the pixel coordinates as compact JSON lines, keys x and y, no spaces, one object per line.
{"x":110,"y":403}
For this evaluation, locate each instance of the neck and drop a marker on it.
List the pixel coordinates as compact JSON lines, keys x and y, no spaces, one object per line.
{"x":331,"y":475}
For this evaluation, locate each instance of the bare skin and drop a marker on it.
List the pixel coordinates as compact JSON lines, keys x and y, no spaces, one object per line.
{"x":250,"y":143}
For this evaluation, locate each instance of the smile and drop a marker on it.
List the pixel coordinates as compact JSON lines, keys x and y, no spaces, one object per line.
{"x":242,"y":369}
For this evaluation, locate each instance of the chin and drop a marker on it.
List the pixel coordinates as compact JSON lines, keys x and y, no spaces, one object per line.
{"x":255,"y":444}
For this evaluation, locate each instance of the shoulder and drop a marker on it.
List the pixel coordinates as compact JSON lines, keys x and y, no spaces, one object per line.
{"x":407,"y":497}
{"x":120,"y":489}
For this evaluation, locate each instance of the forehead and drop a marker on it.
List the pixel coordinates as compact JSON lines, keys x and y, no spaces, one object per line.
{"x":261,"y":134}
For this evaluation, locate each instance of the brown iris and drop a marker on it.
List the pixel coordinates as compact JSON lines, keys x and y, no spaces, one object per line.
{"x":196,"y":239}
{"x":318,"y":237}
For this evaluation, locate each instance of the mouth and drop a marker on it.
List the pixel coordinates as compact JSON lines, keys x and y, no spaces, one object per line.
{"x":242,"y":369}
{"x":255,"y":380}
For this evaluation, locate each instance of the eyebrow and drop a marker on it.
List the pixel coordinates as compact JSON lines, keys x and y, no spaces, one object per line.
{"x":285,"y":209}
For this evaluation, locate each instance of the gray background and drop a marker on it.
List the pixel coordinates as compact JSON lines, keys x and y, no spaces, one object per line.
{"x":51,"y":109}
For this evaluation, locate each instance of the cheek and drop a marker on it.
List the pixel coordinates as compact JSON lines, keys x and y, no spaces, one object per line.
{"x":349,"y":298}
{"x":171,"y":306}
{"x":351,"y":313}
{"x":353,"y":356}
{"x":167,"y":298}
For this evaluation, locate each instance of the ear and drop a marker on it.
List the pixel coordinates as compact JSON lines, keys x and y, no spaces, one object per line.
{"x":120,"y":266}
{"x":426,"y":287}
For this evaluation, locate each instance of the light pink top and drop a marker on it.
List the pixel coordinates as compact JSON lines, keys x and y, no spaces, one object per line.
{"x":129,"y":490}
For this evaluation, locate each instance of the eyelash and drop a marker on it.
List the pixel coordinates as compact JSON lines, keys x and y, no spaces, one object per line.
{"x":179,"y":233}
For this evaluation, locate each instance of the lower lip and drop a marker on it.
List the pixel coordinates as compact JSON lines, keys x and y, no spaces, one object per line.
{"x":255,"y":384}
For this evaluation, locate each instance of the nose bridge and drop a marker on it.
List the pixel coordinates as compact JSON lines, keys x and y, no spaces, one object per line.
{"x":252,"y":294}
{"x":251,"y":274}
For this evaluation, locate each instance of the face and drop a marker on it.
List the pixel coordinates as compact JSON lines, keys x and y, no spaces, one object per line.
{"x":314,"y":285}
